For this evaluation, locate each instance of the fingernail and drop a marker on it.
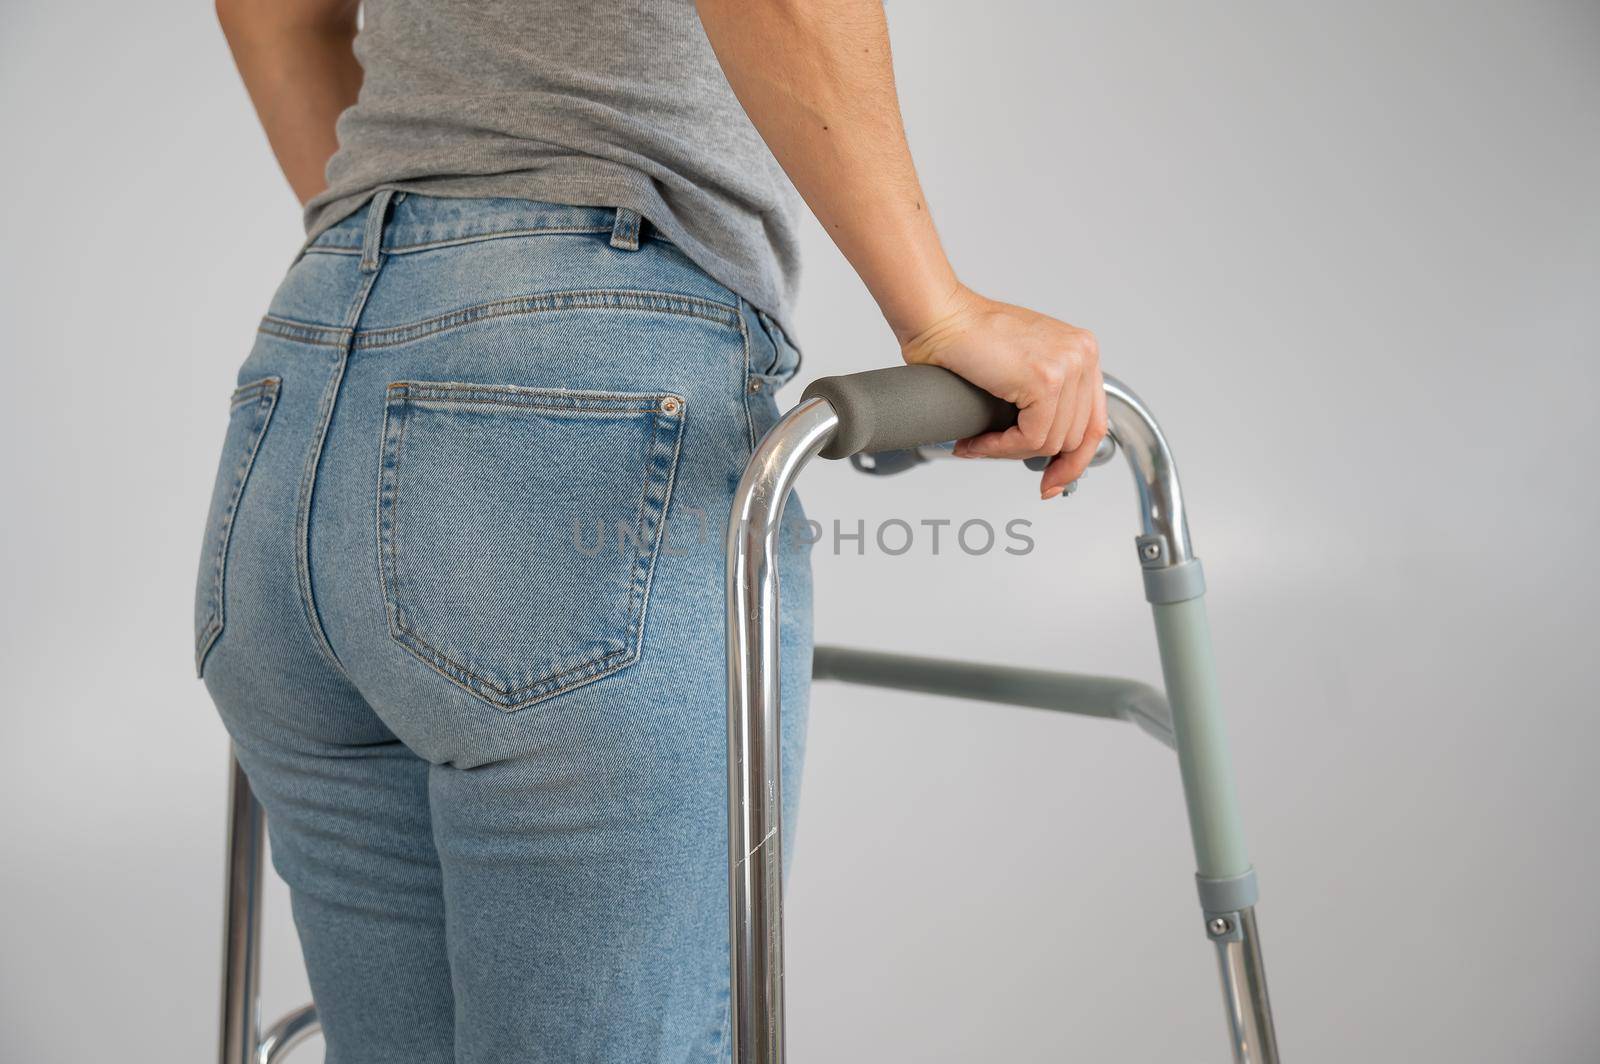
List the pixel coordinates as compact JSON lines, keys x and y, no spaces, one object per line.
{"x":1049,"y":493}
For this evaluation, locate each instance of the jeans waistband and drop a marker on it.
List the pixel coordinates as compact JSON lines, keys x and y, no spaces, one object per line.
{"x":396,"y":222}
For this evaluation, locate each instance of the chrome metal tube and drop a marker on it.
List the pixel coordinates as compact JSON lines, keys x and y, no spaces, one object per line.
{"x":755,"y":799}
{"x":294,"y":1029}
{"x":241,"y":921}
{"x":1244,"y":989}
{"x":1154,"y":472}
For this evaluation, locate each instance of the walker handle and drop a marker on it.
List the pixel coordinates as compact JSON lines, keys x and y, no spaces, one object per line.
{"x":901,"y":407}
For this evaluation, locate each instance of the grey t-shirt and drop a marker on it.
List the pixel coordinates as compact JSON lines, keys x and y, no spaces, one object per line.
{"x":606,"y":103}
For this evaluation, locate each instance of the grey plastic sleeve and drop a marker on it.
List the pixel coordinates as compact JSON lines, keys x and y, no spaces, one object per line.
{"x":1228,"y":895}
{"x":1175,"y":583}
{"x":1203,"y":759}
{"x":906,"y":406}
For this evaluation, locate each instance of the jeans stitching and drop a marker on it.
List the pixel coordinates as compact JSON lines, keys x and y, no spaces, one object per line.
{"x":303,"y":332}
{"x":394,"y":515}
{"x":636,"y":615}
{"x":596,"y":299}
{"x":661,"y":525}
{"x":264,"y":393}
{"x":246,"y":392}
{"x":625,"y":229}
{"x":332,"y":248}
{"x":515,"y":397}
{"x":720,"y":1052}
{"x":624,"y":300}
{"x":512,"y":699}
{"x":644,"y":565}
{"x":380,"y":511}
{"x":330,"y":396}
{"x":744,"y":381}
{"x":303,"y":511}
{"x":548,"y":686}
{"x":450,"y":242}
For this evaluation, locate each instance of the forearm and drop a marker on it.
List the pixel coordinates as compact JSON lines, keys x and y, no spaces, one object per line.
{"x":815,"y":76}
{"x":816,"y":79}
{"x":298,"y":64}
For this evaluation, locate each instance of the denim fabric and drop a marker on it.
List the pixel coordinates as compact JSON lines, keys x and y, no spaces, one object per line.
{"x":461,"y":609}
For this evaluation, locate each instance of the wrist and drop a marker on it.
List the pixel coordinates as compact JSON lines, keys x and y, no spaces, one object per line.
{"x":914,"y":307}
{"x":942,"y":320}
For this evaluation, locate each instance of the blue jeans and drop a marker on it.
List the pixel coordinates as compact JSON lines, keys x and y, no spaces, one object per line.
{"x":461,"y":609}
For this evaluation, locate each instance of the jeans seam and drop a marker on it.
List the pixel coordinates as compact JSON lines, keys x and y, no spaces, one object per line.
{"x":724,"y":1029}
{"x":303,"y":332}
{"x":308,"y":479}
{"x":514,"y":397}
{"x":547,"y":302}
{"x":635,"y":591}
{"x":780,"y":340}
{"x":744,"y":382}
{"x":456,"y":241}
{"x":512,"y":699}
{"x":263,"y":392}
{"x":378,"y":511}
{"x":586,"y":299}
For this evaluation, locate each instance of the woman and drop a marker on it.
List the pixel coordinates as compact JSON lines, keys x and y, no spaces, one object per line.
{"x":457,"y":604}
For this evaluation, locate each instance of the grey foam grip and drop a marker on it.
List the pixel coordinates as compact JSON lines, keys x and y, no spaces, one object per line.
{"x":901,"y":407}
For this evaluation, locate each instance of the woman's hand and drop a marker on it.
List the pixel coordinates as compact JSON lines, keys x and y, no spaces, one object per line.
{"x":1050,"y":370}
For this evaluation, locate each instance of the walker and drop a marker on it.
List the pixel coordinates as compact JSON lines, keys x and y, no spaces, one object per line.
{"x":887,"y":421}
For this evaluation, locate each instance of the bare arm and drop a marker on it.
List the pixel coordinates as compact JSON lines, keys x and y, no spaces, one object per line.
{"x":816,"y":78}
{"x":297,"y":62}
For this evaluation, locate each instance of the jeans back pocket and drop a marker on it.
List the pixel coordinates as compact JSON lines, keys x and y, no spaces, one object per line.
{"x":250,"y":411}
{"x":518,"y":530}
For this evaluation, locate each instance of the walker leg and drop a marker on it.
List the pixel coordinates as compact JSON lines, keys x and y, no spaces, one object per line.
{"x":1244,"y":986}
{"x":755,"y":796}
{"x":241,"y":921}
{"x":280,"y":1039}
{"x":1174,"y":584}
{"x":1226,"y":881}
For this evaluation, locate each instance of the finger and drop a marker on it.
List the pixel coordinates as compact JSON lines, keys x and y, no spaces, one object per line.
{"x":1071,"y":465}
{"x":1021,"y":440}
{"x":1063,"y":470}
{"x":1061,"y":425}
{"x":1082,"y":410}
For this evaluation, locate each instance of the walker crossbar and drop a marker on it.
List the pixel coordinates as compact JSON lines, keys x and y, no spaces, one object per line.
{"x":901,"y":409}
{"x":1064,"y":692}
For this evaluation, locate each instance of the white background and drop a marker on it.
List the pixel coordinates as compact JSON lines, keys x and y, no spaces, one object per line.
{"x":1350,"y":254}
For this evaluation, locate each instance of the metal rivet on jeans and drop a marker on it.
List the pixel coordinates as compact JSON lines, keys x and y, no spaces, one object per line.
{"x":669,"y":405}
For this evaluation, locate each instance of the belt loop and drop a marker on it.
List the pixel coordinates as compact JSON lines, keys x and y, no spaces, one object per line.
{"x":372,"y":239}
{"x":625,"y":230}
